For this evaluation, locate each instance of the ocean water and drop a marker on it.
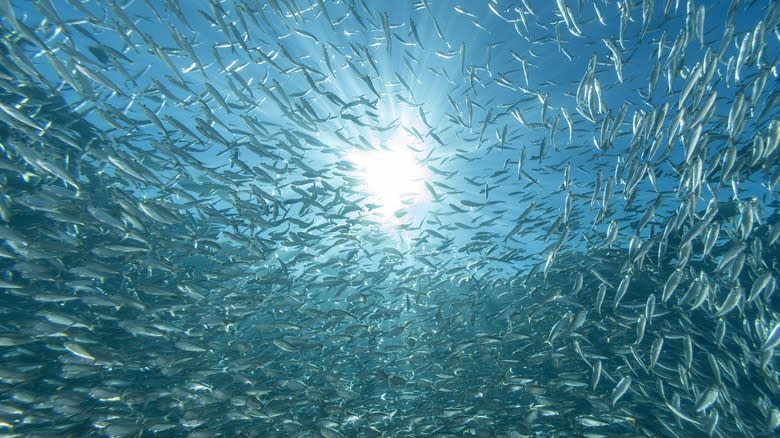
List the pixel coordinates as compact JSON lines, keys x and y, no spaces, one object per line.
{"x":371,"y":218}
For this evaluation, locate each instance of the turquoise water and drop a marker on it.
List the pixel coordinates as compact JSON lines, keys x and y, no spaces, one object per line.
{"x":353,"y":218}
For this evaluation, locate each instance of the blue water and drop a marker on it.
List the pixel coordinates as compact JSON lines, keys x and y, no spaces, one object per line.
{"x":304,"y":228}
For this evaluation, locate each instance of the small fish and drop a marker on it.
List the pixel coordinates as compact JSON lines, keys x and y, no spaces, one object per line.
{"x":620,"y":390}
{"x":707,"y":398}
{"x":78,"y":351}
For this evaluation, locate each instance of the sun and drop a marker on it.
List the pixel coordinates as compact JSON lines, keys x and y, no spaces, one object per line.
{"x":392,"y":176}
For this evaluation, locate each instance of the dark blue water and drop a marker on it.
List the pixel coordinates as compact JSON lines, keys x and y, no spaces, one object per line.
{"x":353,"y":218}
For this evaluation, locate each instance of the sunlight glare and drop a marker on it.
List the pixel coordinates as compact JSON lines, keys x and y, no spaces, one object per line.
{"x":392,"y":176}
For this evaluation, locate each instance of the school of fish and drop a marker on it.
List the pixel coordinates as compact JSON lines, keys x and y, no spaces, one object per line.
{"x":189,"y":247}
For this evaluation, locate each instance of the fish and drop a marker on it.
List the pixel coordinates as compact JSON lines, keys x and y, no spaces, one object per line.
{"x":621,"y":290}
{"x":294,"y":218}
{"x":707,"y":398}
{"x":620,"y":390}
